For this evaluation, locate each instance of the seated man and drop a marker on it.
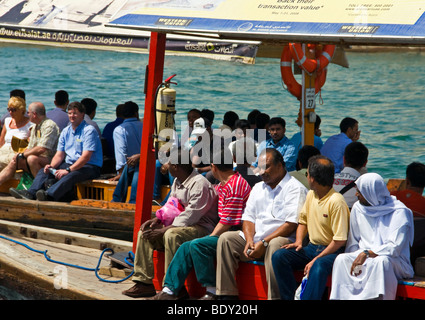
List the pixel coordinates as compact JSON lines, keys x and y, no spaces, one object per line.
{"x":378,"y":246}
{"x":202,"y":151}
{"x":412,"y":197}
{"x":334,"y":147}
{"x":127,"y":142}
{"x":355,"y":160}
{"x":78,"y":158}
{"x":415,"y":184}
{"x":325,"y":216}
{"x":108,"y":131}
{"x":41,"y":148}
{"x":59,"y":114}
{"x":278,"y":140}
{"x":198,"y":219}
{"x":304,"y":154}
{"x":90,"y":106}
{"x":242,"y":150}
{"x":318,"y":143}
{"x":269,"y":221}
{"x":200,"y":254}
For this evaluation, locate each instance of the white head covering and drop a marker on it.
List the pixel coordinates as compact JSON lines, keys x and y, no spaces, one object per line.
{"x":373,"y":188}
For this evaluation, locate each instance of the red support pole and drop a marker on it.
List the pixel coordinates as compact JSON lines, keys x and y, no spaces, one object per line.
{"x":147,"y":154}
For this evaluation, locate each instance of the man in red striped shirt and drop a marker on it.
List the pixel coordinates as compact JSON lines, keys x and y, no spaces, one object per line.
{"x":233,"y":192}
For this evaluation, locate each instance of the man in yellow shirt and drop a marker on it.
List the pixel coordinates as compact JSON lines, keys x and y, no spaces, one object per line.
{"x":325,"y":216}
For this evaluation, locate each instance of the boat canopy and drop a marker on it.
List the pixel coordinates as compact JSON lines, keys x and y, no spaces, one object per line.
{"x":351,"y":22}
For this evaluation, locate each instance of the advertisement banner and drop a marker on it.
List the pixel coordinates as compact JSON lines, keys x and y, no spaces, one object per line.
{"x":80,"y":23}
{"x":352,"y":21}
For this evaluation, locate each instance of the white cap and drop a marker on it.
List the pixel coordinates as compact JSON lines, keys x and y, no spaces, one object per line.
{"x":199,"y":126}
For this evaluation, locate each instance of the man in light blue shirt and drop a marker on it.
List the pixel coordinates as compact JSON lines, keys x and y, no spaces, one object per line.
{"x":278,"y":140}
{"x":334,"y":147}
{"x":78,"y":158}
{"x":127,"y":143}
{"x":318,"y":143}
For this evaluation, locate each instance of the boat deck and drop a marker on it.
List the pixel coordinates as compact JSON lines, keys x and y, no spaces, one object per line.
{"x":33,"y":276}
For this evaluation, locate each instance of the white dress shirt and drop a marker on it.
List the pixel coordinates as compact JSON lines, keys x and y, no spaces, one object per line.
{"x":269,"y":208}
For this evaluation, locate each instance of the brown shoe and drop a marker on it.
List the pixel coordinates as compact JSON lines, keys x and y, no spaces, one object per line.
{"x":183,"y":295}
{"x":208,"y":296}
{"x":163,"y":296}
{"x":140,"y":290}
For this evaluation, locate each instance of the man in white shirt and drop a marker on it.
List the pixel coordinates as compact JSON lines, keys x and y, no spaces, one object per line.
{"x":355,"y":160}
{"x":269,"y":221}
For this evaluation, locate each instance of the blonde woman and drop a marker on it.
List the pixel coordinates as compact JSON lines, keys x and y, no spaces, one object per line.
{"x":17,"y":125}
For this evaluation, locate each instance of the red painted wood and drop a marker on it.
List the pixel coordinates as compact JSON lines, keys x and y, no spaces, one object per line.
{"x":147,"y":154}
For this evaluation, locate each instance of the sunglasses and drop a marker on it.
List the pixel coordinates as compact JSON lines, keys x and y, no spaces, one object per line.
{"x":11,"y":109}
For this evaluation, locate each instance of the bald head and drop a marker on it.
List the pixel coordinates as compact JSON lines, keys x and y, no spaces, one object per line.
{"x":38,"y":108}
{"x":36,"y":112}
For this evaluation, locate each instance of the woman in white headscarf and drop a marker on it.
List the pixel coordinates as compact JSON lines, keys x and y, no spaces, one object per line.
{"x":378,"y":247}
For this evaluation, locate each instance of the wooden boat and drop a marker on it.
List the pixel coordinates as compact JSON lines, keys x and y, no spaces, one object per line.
{"x":100,"y":219}
{"x":93,"y":212}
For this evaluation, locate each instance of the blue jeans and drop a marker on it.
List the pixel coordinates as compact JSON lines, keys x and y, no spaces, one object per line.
{"x":199,"y":254}
{"x":285,"y":261}
{"x":160,"y":179}
{"x":129,"y":176}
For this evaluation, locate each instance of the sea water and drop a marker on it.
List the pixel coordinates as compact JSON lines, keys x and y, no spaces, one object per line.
{"x":383,"y":91}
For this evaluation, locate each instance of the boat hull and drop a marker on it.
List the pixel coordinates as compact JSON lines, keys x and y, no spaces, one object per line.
{"x":95,"y":217}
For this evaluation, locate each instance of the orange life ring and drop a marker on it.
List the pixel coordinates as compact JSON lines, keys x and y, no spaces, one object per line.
{"x":323,"y":57}
{"x":300,"y":58}
{"x":288,"y":77}
{"x":286,"y":71}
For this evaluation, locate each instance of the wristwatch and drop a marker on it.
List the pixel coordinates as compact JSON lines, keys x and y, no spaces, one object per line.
{"x":367,"y":253}
{"x":68,"y":169}
{"x":265,"y":243}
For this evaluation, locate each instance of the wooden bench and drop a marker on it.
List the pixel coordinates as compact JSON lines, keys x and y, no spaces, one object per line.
{"x":102,"y":189}
{"x":252,"y":284}
{"x":97,"y":189}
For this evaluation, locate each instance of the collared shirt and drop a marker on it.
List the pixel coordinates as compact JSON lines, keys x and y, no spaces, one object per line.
{"x":285,"y":147}
{"x":334,"y":149}
{"x":59,"y":116}
{"x":269,"y":208}
{"x":297,"y":141}
{"x":327,"y":218}
{"x":200,"y":202}
{"x":84,"y":138}
{"x":301,"y":176}
{"x":345,"y":177}
{"x":46,"y":135}
{"x":93,"y":123}
{"x":127,"y":140}
{"x":107,"y":133}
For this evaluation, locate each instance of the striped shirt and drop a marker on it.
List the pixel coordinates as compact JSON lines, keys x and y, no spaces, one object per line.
{"x":232,"y":199}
